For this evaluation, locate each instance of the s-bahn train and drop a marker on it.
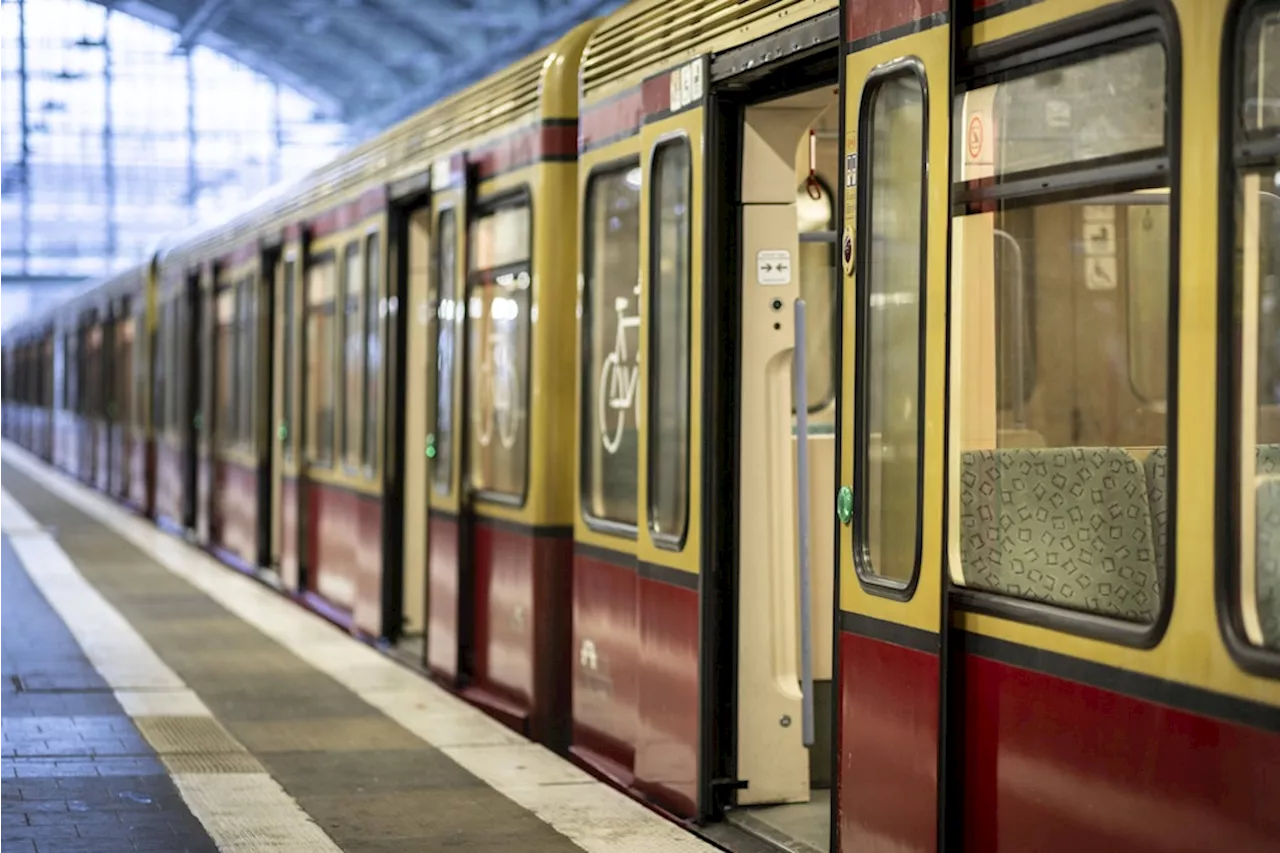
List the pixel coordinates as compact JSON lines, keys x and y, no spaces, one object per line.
{"x":513,"y":389}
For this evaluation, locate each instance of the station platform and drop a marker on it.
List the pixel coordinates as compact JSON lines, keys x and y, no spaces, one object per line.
{"x":155,"y":700}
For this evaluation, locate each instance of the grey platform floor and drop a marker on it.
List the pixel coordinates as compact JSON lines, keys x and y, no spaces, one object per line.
{"x":370,"y":784}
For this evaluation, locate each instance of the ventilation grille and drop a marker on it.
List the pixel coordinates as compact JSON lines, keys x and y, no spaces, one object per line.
{"x":649,"y":36}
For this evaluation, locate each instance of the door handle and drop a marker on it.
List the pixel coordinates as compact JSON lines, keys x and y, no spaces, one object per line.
{"x":800,"y":378}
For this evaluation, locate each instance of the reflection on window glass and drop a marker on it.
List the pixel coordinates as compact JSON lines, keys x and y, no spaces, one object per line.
{"x":669,"y":345}
{"x":497,"y":315}
{"x":1061,"y":351}
{"x":246,"y":375}
{"x":320,"y":380}
{"x":448,"y":312}
{"x":352,"y":368}
{"x":818,"y":281}
{"x":225,"y":369}
{"x":1106,"y":106}
{"x":894,"y":268}
{"x":1257,"y":280}
{"x":372,"y":352}
{"x":611,"y":339}
{"x":287,"y":346}
{"x":1260,"y":98}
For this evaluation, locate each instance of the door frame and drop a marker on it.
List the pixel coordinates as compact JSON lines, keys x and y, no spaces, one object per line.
{"x":264,"y":408}
{"x":772,"y":67}
{"x":403,"y":200}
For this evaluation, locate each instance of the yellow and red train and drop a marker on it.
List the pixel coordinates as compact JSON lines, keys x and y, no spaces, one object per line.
{"x":510,"y":387}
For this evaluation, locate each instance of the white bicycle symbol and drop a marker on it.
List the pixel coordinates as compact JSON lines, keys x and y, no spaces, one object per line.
{"x":499,"y":395}
{"x":619,"y":379}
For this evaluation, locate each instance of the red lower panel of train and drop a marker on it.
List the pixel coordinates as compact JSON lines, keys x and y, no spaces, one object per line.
{"x":290,"y":570}
{"x":635,"y":690}
{"x":889,"y":752}
{"x":442,"y":596}
{"x":140,"y":494}
{"x":234,"y":535}
{"x":521,"y":628}
{"x":169,"y":498}
{"x":343,"y":555}
{"x":1056,"y":765}
{"x":519,"y":621}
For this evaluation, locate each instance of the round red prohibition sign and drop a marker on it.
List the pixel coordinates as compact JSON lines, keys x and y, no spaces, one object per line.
{"x":975,"y":137}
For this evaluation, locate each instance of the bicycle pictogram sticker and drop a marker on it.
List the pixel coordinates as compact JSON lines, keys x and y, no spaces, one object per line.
{"x":619,"y":381}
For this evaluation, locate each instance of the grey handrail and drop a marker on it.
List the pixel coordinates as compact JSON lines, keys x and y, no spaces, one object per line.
{"x":802,"y":507}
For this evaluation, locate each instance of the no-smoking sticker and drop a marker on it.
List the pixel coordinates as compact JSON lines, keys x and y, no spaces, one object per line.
{"x":974,"y":137}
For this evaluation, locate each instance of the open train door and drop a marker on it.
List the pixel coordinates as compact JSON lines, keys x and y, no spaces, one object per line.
{"x":440,"y":315}
{"x":410,"y":382}
{"x":894,"y":255}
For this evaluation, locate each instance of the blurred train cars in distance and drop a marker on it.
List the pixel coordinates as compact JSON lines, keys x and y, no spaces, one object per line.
{"x":510,"y":387}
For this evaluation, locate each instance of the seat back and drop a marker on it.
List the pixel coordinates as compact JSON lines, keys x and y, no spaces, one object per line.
{"x":1068,"y":526}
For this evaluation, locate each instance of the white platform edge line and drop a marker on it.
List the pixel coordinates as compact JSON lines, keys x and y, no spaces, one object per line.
{"x":592,"y":814}
{"x":242,"y":812}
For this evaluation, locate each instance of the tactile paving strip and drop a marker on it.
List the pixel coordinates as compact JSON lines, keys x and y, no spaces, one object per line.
{"x":214,"y":762}
{"x":187,"y":735}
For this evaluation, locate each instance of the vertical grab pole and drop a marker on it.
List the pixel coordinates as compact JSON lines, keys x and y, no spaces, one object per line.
{"x":802,"y":506}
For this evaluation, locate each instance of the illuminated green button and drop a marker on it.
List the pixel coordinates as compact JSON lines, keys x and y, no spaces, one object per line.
{"x":844,"y":505}
{"x":431,"y":446}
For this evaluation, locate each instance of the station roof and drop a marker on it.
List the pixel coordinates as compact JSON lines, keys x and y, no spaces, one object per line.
{"x":368,"y":63}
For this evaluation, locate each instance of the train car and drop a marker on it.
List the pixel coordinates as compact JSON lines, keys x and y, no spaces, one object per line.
{"x":488,"y":276}
{"x":29,"y":385}
{"x":993,"y":566}
{"x":1057,"y":565}
{"x":707,"y":166}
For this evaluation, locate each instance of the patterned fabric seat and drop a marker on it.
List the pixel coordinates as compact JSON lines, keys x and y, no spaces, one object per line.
{"x":1156,"y":468}
{"x":1067,"y":526}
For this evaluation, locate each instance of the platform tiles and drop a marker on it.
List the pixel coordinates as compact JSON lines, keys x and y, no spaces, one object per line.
{"x":280,"y":732}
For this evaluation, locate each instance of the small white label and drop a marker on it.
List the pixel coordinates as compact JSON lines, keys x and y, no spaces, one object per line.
{"x":773,"y":266}
{"x":1099,"y":213}
{"x":686,"y":85}
{"x":440,"y":174}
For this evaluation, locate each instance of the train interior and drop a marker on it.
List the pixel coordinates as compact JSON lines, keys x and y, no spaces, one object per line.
{"x":1061,"y":335}
{"x":790,"y":164}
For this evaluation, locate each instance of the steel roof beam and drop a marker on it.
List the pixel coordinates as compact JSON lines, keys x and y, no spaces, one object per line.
{"x":206,"y":16}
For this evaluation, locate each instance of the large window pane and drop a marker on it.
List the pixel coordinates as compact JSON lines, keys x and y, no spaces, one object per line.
{"x":1260,"y":98}
{"x":611,"y":343}
{"x":287,"y":347}
{"x":1061,"y":348}
{"x":351,"y":370}
{"x":372,"y":352}
{"x":669,"y":272}
{"x":893,"y":287}
{"x":320,"y":380}
{"x":498,"y":351}
{"x":225,"y":369}
{"x":448,"y":313}
{"x":1257,"y":276}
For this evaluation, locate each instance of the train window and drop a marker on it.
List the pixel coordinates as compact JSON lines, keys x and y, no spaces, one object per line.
{"x":352,"y":356}
{"x":372,"y":353}
{"x":321,"y":370}
{"x":890,"y":369}
{"x":497,"y":314}
{"x":669,"y":345}
{"x":447,"y":314}
{"x":815,"y":211}
{"x":287,"y":358}
{"x":226,"y":357}
{"x":1260,"y":72}
{"x":1256,"y":282}
{"x":247,"y":374}
{"x":1061,"y":478}
{"x":611,"y":347}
